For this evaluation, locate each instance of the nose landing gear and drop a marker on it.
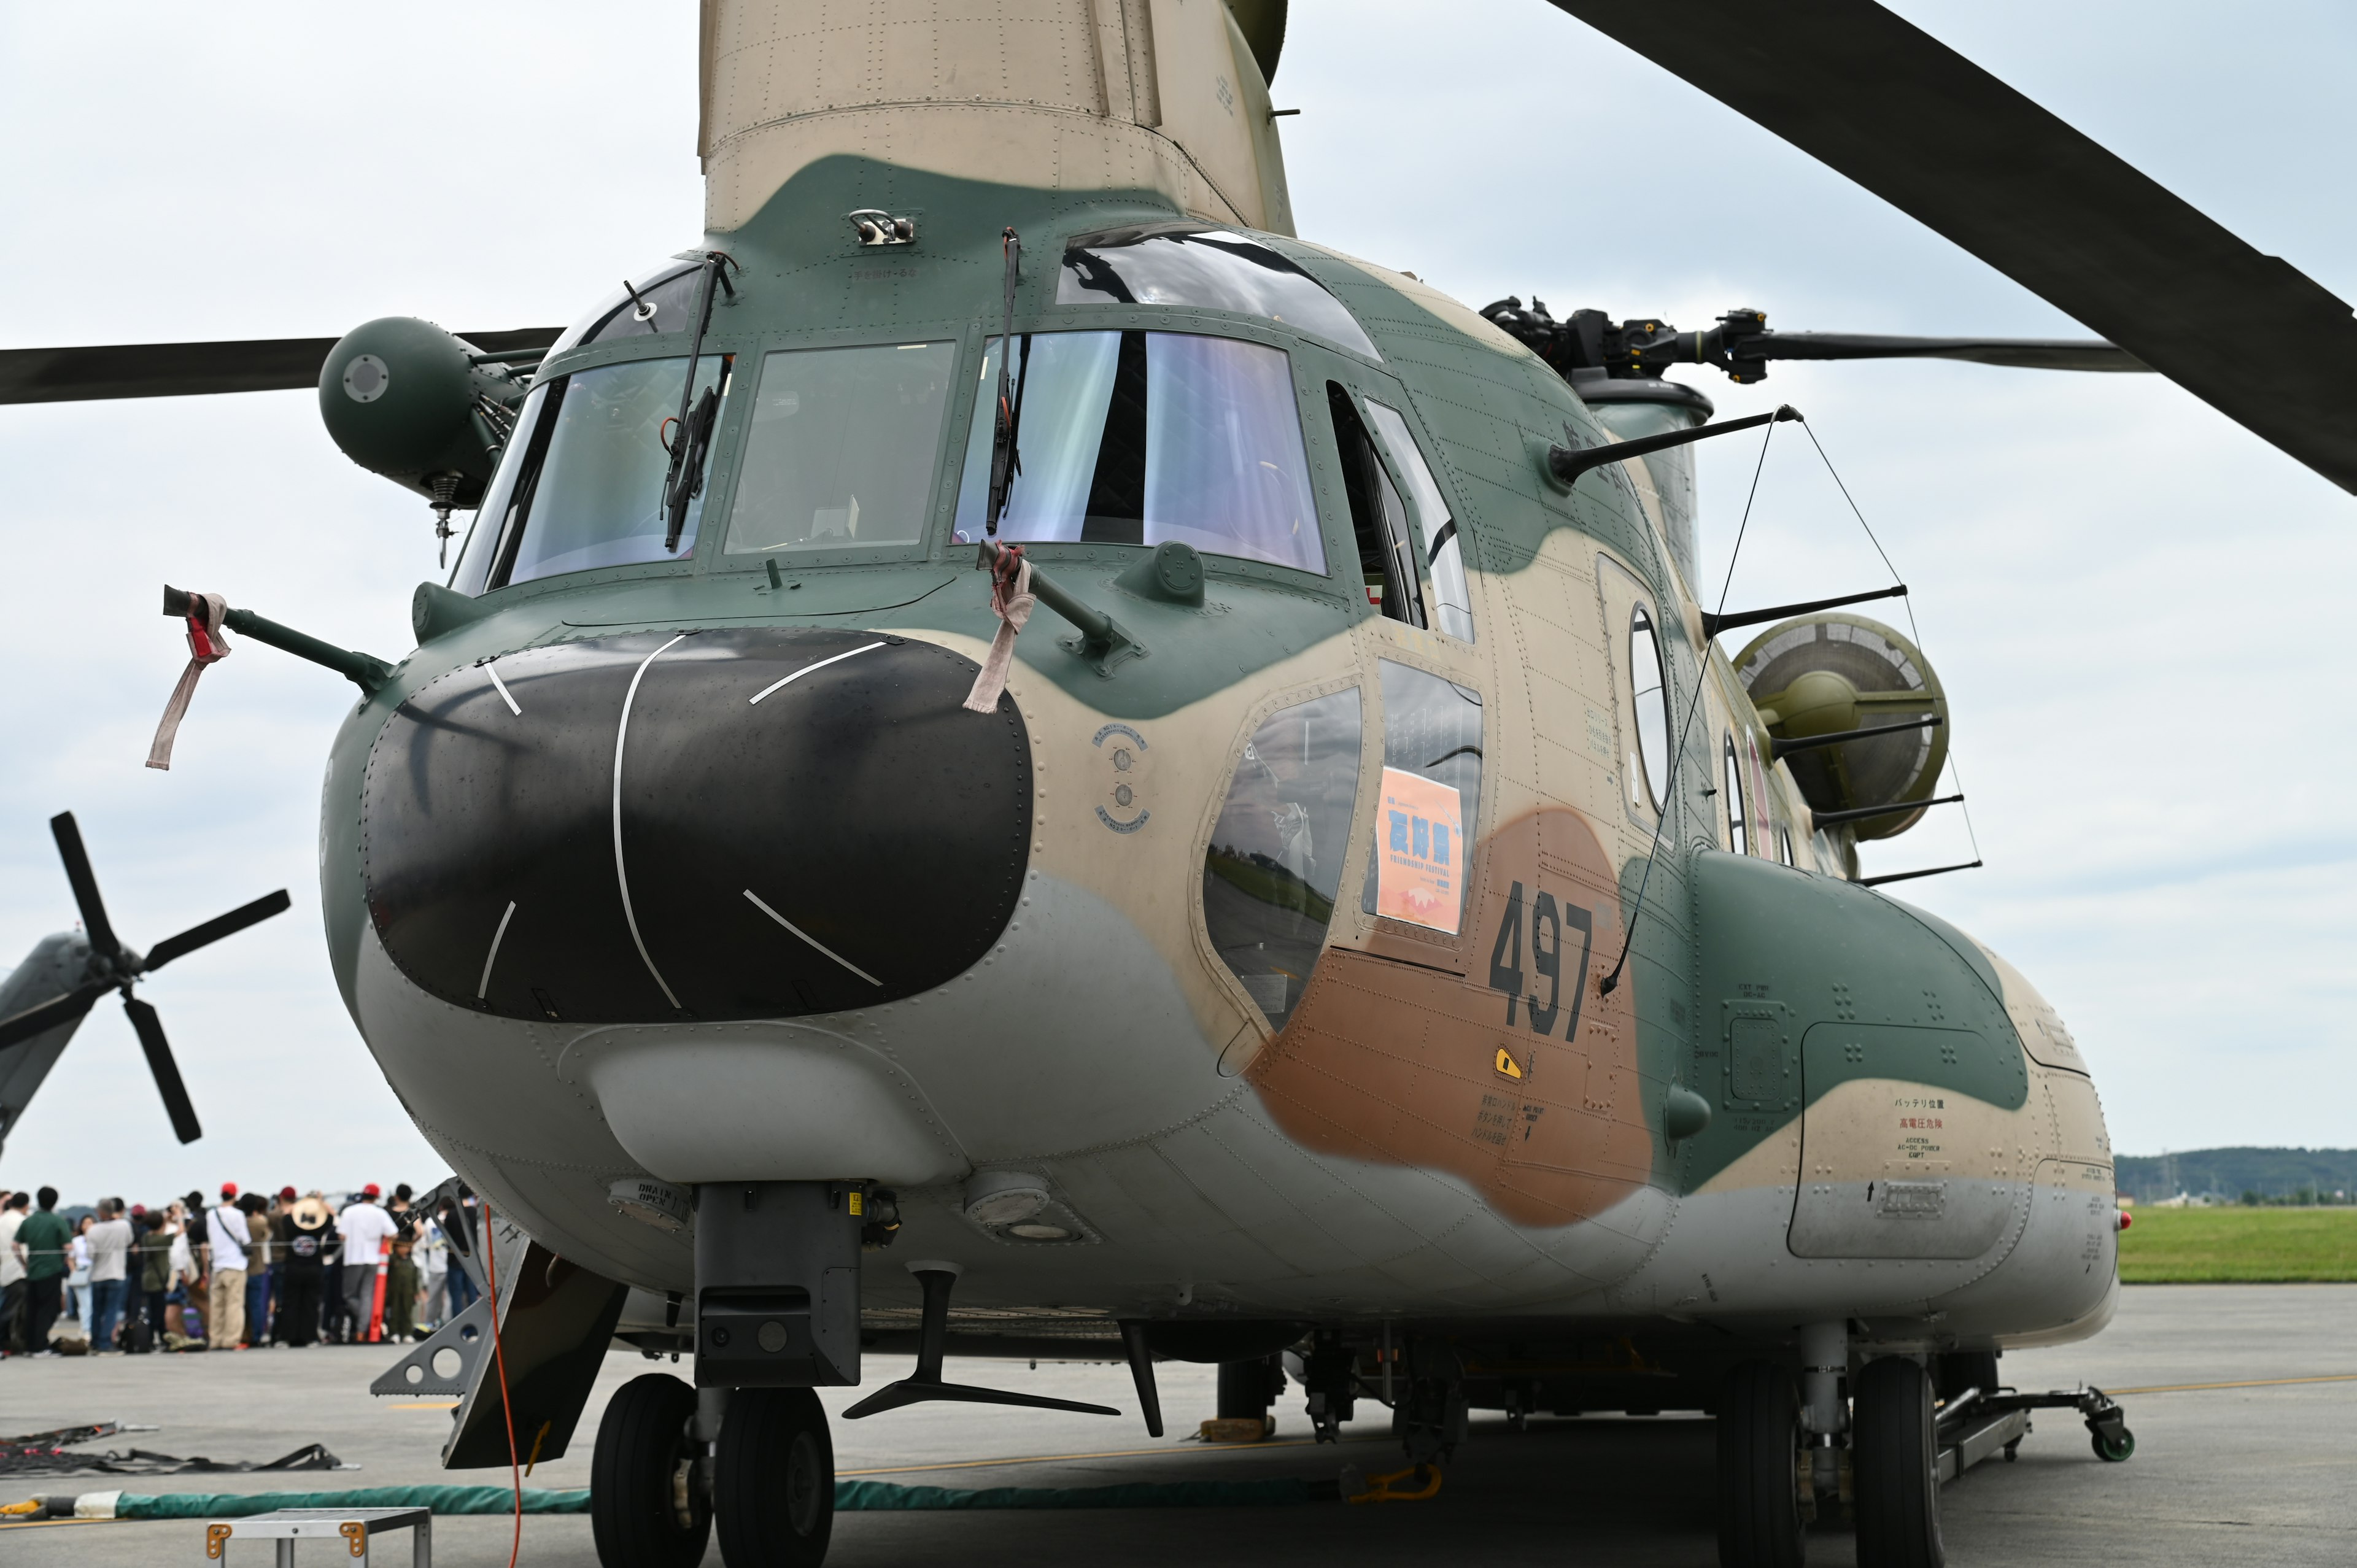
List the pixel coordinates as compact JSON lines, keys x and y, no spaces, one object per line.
{"x":773,"y":1486}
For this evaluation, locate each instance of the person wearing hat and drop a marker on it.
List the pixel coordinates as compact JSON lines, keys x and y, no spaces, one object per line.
{"x":305,"y":1233}
{"x":365,"y":1229}
{"x":226,"y":1234}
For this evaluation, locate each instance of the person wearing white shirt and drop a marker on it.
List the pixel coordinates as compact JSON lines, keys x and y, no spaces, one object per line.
{"x":225,"y":1230}
{"x":110,"y":1252}
{"x":12,"y":1271}
{"x":78,"y":1281}
{"x":365,"y":1229}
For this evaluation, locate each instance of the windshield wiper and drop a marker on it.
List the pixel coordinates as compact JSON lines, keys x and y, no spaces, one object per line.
{"x":684,"y":482}
{"x":1005,"y":455}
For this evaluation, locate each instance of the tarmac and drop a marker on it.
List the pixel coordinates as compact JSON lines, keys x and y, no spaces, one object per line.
{"x":2242,"y":1399}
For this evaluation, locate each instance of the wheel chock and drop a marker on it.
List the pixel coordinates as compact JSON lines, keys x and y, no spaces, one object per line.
{"x":1418,"y":1483}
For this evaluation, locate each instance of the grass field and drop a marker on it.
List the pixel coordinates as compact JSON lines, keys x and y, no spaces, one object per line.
{"x":2204,"y":1246}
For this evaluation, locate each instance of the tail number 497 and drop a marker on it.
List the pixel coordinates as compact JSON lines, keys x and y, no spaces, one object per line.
{"x":1547,"y":941}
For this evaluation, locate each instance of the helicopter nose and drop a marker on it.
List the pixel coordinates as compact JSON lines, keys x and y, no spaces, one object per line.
{"x":745,"y":822}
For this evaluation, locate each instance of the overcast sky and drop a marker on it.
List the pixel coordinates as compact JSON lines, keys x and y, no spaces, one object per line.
{"x":2131,"y":601}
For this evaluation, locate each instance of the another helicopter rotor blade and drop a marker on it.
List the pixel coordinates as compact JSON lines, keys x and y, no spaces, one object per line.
{"x":2021,"y":353}
{"x":18,"y":1027}
{"x":176,"y":1103}
{"x":1885,"y":103}
{"x":185,"y":370}
{"x":95,"y":923}
{"x":214,"y":929}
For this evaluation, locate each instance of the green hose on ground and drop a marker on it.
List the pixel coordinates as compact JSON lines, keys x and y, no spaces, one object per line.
{"x":850,"y":1497}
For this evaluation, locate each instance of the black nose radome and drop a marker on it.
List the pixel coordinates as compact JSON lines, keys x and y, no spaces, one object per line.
{"x":738,"y":824}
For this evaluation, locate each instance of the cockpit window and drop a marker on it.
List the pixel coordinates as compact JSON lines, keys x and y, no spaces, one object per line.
{"x":1738,"y":826}
{"x":1444,"y":556}
{"x":665,"y":300}
{"x":1139,"y":437}
{"x":841,"y":447}
{"x":1213,"y":269}
{"x":589,"y":462}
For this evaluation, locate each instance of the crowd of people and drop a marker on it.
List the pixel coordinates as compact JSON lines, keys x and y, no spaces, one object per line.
{"x":248,"y":1271}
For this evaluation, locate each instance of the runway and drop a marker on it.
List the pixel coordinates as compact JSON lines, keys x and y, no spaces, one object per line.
{"x":2242,"y":1456}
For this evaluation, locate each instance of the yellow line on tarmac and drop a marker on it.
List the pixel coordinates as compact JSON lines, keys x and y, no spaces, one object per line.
{"x":2253,"y":1383}
{"x":1107,"y":1454}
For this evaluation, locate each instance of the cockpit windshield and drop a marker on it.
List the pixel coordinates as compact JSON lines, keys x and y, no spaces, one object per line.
{"x":583,"y":483}
{"x":1139,"y":437}
{"x":663,"y":301}
{"x":1211,"y":269}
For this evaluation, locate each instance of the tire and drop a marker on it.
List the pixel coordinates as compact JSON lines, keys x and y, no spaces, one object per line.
{"x":1962,"y":1369}
{"x":1248,"y":1388}
{"x":1759,"y":1469}
{"x":636,"y":1491}
{"x":774,"y":1489}
{"x":1896,"y":1461}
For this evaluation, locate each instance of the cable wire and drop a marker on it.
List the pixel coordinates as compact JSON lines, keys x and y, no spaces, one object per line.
{"x":1670,"y":786}
{"x":1915,"y":630}
{"x":500,"y":1364}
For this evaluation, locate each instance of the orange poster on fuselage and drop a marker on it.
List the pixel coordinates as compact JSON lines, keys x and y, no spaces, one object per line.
{"x":1419,"y":852}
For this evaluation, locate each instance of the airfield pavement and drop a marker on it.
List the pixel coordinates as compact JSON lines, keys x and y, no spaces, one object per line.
{"x":2261,"y":1473}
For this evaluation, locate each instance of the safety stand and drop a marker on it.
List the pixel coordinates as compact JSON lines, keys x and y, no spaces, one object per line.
{"x":349,"y":1528}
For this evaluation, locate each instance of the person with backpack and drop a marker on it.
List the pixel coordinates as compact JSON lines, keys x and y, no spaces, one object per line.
{"x":156,"y":1275}
{"x":226,"y":1235}
{"x":304,"y":1236}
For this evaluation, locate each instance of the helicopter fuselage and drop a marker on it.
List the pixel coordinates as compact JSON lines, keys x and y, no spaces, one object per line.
{"x":693,"y":869}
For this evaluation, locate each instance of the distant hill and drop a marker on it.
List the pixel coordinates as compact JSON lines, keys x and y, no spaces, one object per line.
{"x":2273,"y":1173}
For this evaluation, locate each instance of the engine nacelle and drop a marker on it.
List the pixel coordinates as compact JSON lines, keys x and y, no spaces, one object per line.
{"x":1823,"y":674}
{"x":409,"y":400}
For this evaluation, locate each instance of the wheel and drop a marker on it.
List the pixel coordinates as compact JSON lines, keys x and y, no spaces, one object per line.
{"x":1759,"y":1469}
{"x":2114,"y":1446}
{"x":647,"y":1506}
{"x":1961,"y":1369}
{"x":1248,"y":1388}
{"x":1896,"y":1462}
{"x":773,"y":1488}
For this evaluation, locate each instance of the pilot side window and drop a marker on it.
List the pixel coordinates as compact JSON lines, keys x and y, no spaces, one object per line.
{"x":589,"y":462}
{"x":1140,"y":437}
{"x":1650,"y":703}
{"x":1444,"y":555}
{"x":1429,"y":807}
{"x":1739,"y":830}
{"x":1379,"y":521}
{"x":1274,"y":862}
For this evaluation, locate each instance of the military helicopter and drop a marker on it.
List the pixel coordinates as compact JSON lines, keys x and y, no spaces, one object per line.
{"x":44,"y":1000}
{"x":1375,"y":931}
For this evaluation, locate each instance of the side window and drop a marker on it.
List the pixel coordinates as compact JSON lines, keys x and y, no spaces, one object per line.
{"x":1274,"y":862}
{"x":1386,"y":553}
{"x":1650,"y":703}
{"x":1784,"y":844}
{"x":1430,"y":803}
{"x":1739,"y":830}
{"x":1444,"y":555}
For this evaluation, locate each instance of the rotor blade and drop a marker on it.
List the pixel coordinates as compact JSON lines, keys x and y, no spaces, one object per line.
{"x":216,"y":927}
{"x":95,"y":923}
{"x":168,"y":1073}
{"x":2023,"y":354}
{"x":184,"y":369}
{"x":1892,"y":108}
{"x":18,"y":1027}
